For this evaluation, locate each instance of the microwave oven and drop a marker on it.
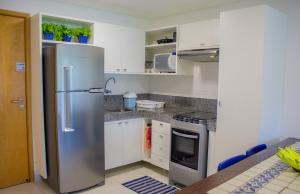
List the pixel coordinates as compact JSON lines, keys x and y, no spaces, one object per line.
{"x":165,"y":62}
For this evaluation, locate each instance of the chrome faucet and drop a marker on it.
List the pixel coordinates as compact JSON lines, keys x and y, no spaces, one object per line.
{"x":106,"y":91}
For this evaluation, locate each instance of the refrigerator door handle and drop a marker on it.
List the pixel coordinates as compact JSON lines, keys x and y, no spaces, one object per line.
{"x":67,"y":99}
{"x":96,"y":90}
{"x":67,"y":77}
{"x":67,"y":116}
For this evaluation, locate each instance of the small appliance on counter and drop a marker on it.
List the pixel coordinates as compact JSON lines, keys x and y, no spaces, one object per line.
{"x":129,"y":100}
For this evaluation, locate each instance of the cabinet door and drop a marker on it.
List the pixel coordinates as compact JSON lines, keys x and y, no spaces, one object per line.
{"x":133,"y":140}
{"x":204,"y":34}
{"x":132,"y":51}
{"x":124,"y":47}
{"x":113,"y":144}
{"x":108,"y":37}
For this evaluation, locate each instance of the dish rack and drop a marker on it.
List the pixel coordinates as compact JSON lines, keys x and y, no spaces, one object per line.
{"x":149,"y":104}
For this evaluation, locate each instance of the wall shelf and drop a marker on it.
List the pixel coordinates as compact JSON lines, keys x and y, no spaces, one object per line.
{"x":69,"y":22}
{"x":63,"y":42}
{"x":159,"y":74}
{"x":164,"y":45}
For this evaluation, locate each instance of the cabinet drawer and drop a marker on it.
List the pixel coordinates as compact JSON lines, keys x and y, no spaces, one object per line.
{"x":160,"y":138}
{"x":161,"y":127}
{"x":161,"y":150}
{"x":160,"y":161}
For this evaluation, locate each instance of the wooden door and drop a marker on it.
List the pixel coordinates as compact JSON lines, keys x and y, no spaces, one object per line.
{"x":14,"y":161}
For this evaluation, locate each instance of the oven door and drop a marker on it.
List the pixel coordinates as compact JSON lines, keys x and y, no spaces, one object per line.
{"x":185,"y":148}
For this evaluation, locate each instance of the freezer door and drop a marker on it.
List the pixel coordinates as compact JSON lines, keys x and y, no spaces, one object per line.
{"x":80,"y":140}
{"x":79,"y":67}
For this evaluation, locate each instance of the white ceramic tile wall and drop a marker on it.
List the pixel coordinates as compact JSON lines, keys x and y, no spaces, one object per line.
{"x":203,"y":83}
{"x":125,"y":83}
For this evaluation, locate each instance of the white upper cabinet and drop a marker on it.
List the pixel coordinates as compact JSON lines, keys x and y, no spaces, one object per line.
{"x":133,"y":50}
{"x":107,"y":36}
{"x":123,"y":47}
{"x":197,"y":35}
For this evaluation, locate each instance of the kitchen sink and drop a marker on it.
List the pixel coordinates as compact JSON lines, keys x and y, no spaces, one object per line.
{"x":117,"y":110}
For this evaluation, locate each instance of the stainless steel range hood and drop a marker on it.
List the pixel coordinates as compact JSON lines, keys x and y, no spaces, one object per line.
{"x":200,"y":55}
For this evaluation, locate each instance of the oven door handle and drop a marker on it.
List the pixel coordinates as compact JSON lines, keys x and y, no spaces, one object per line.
{"x":185,"y":135}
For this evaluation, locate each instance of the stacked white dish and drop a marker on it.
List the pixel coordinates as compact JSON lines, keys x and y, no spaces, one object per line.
{"x":149,"y":104}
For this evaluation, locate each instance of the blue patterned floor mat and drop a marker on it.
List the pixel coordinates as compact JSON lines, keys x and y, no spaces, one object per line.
{"x":148,"y":185}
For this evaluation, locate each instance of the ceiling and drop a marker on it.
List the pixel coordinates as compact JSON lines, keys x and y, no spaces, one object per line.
{"x":150,"y":9}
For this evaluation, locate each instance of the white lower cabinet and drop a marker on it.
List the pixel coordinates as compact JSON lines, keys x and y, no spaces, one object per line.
{"x":133,"y":141}
{"x":113,"y":133}
{"x":123,"y":142}
{"x":160,"y":161}
{"x":160,"y":149}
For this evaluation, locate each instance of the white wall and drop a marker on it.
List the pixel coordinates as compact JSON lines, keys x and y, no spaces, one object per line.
{"x":53,"y":7}
{"x":203,"y":83}
{"x":290,"y":120}
{"x":126,"y":83}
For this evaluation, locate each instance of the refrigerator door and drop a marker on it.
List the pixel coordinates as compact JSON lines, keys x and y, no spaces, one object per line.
{"x":80,"y":125}
{"x":79,"y":67}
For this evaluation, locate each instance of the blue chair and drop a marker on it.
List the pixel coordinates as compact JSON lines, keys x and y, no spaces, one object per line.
{"x":255,"y":149}
{"x":231,"y":161}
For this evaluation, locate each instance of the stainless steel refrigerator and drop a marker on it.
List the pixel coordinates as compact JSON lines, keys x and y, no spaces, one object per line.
{"x":73,"y":80}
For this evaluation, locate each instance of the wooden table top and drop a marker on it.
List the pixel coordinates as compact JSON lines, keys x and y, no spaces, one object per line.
{"x":220,"y":177}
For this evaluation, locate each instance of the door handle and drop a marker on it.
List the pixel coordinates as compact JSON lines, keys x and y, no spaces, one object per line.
{"x":17,"y":101}
{"x":20,"y":101}
{"x":185,"y":135}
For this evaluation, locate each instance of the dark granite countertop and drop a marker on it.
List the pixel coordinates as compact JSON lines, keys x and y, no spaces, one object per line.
{"x":165,"y":115}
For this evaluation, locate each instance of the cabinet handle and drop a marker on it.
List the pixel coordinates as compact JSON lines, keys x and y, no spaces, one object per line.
{"x":202,"y":44}
{"x":125,"y":69}
{"x":161,"y":137}
{"x":161,"y":124}
{"x":160,"y":148}
{"x":220,"y":103}
{"x":118,"y":69}
{"x":160,"y":160}
{"x":119,"y":123}
{"x":126,"y":122}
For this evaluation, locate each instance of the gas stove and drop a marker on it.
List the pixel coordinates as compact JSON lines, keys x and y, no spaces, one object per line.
{"x":195,"y":117}
{"x":189,"y":144}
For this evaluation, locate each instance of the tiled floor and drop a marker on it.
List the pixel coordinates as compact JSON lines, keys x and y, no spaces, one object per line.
{"x":114,"y":179}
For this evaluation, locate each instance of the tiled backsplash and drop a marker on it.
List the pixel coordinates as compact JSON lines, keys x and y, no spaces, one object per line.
{"x":197,"y":104}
